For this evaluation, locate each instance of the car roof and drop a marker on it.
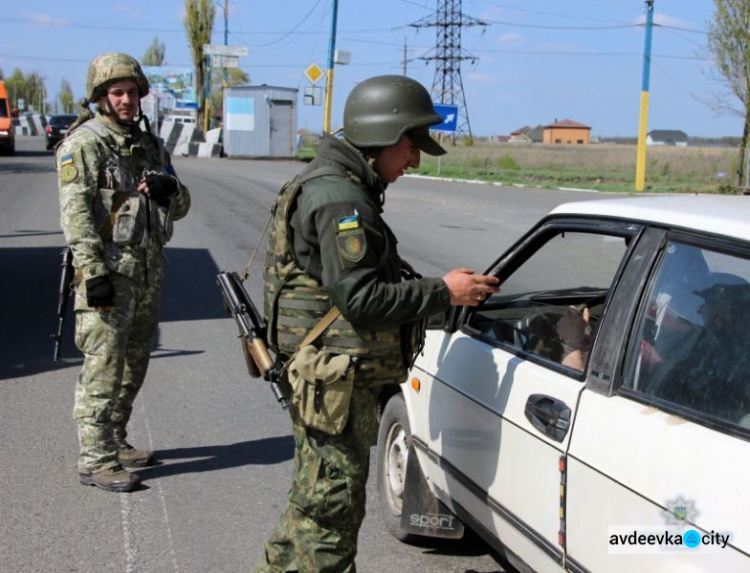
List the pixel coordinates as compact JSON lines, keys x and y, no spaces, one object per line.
{"x":727,"y":215}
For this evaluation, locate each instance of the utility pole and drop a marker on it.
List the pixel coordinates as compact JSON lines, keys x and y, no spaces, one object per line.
{"x":329,"y":74}
{"x":404,"y":59}
{"x":640,"y":166}
{"x":226,"y":40}
{"x":447,"y":86}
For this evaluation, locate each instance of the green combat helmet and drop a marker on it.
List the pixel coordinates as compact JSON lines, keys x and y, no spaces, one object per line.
{"x":380,"y":110}
{"x":112,"y":67}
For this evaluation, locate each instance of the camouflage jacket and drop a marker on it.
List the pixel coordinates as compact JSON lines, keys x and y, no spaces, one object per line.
{"x":347,"y":256}
{"x":107,"y":223}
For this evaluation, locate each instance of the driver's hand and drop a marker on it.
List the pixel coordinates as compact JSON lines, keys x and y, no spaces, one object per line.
{"x":571,"y":328}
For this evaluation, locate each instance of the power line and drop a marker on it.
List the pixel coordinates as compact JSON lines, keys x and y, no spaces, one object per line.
{"x":548,"y":27}
{"x":681,"y":29}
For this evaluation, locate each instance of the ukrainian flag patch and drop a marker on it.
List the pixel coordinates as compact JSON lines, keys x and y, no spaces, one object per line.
{"x":66,"y":160}
{"x":348,"y":223}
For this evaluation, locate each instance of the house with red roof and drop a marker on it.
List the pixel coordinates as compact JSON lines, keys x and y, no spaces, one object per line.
{"x":567,"y":132}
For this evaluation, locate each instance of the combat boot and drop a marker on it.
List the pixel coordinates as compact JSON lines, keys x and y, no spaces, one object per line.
{"x":130,"y":457}
{"x":112,"y":479}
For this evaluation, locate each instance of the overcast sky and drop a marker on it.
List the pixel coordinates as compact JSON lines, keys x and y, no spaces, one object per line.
{"x":536,"y":60}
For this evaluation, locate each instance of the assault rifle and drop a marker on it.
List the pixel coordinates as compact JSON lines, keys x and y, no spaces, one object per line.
{"x":252,"y":332}
{"x":66,"y":281}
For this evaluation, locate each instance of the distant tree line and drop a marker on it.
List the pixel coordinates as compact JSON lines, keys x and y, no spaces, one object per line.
{"x":28,"y":92}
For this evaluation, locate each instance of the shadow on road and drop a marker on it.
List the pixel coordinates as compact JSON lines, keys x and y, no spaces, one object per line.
{"x":29,"y":293}
{"x":211,"y":458}
{"x":470,"y":545}
{"x":20,"y":166}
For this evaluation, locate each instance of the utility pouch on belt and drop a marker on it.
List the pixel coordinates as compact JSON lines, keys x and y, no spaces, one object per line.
{"x":322,"y":385}
{"x":125,"y":222}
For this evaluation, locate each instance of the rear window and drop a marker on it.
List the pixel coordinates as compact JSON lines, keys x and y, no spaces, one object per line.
{"x":62,"y":119}
{"x":3,"y":107}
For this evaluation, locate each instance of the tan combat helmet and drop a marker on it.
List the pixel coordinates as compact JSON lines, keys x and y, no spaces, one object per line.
{"x":112,"y":67}
{"x":380,"y":110}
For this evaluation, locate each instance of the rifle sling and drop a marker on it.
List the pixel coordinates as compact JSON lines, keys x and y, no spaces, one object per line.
{"x":316,"y":332}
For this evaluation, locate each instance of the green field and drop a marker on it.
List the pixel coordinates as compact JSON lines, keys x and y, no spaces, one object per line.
{"x":604,"y":167}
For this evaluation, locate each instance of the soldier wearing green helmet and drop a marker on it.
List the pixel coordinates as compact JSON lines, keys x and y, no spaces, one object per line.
{"x":331,"y":249}
{"x":119,"y":196}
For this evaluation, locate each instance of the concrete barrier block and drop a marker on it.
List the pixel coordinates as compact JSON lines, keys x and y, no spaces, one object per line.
{"x":209,"y":150}
{"x":214,"y":136}
{"x":190,"y":134}
{"x":170,"y":132}
{"x":181,"y":150}
{"x":34,"y":124}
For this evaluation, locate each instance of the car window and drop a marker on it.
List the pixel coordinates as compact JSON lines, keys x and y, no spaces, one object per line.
{"x":691,"y":337}
{"x":3,"y":107}
{"x":550,"y":306}
{"x":62,"y":119}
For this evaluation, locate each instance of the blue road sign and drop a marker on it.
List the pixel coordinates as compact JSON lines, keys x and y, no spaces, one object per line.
{"x":449,"y":113}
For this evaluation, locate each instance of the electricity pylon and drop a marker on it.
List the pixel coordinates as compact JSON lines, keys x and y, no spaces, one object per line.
{"x":448,"y":87}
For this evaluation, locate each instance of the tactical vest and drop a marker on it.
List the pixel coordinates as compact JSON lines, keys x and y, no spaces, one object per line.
{"x":294,"y":302}
{"x":123,"y":215}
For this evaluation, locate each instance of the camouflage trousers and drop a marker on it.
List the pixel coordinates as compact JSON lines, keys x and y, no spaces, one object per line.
{"x":116,"y":348}
{"x":326,"y":505}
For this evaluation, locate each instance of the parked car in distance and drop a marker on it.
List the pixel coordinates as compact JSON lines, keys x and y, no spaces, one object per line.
{"x":7,"y":134}
{"x":594,"y":415}
{"x":57,"y":127}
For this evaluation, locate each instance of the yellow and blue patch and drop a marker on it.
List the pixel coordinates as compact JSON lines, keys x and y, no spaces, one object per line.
{"x":348,"y":223}
{"x":68,"y":170}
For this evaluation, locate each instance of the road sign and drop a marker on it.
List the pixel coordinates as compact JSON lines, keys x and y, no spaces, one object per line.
{"x":220,"y":61}
{"x":313,"y":95}
{"x":225,"y":50}
{"x":313,"y":72}
{"x":449,"y":113}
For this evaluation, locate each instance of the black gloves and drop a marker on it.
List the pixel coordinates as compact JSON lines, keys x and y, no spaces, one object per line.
{"x":99,"y":292}
{"x":160,"y":187}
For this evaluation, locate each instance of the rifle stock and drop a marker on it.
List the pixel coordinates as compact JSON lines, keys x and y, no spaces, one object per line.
{"x":66,"y":281}
{"x":252,"y":329}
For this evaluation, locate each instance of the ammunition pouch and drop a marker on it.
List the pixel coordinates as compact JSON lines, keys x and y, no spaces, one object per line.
{"x":322,"y":385}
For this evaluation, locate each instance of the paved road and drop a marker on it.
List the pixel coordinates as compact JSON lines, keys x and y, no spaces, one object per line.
{"x":224,"y":446}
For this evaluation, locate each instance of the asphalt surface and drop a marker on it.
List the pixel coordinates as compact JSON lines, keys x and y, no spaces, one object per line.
{"x":223,"y":445}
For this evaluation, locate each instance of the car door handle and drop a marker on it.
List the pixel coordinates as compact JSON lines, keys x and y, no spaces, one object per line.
{"x":548,"y":415}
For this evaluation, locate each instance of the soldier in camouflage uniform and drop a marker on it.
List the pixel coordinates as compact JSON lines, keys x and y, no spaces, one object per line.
{"x":118,"y":197}
{"x":330,"y":246}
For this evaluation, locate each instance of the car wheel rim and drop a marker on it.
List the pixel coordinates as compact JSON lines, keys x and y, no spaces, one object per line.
{"x":397,"y":456}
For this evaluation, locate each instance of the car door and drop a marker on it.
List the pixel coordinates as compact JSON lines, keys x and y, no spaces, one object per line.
{"x":499,"y":394}
{"x":659,"y":458}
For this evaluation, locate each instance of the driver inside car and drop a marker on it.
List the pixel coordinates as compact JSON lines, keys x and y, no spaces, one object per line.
{"x":574,"y":330}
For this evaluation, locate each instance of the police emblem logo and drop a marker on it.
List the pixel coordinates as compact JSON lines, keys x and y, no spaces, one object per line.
{"x":680,"y":510}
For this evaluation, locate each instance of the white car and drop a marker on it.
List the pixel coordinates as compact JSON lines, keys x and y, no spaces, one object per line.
{"x":595,"y":414}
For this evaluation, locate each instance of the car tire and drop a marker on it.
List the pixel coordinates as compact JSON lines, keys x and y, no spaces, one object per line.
{"x":392,"y":455}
